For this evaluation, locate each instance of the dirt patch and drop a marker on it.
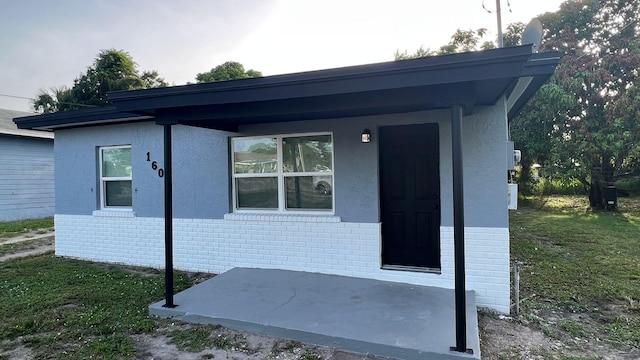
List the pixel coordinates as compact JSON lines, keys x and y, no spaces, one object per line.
{"x":232,"y":344}
{"x":31,"y":235}
{"x":26,"y":246}
{"x":20,"y":352}
{"x":544,"y":336}
{"x":502,"y":337}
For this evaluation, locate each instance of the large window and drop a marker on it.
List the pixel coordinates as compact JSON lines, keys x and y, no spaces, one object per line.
{"x":115,"y":177}
{"x":283,"y":173}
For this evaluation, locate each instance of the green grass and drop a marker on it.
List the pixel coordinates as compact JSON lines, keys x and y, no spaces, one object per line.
{"x":581,"y":261}
{"x":582,"y":269}
{"x":14,"y":228}
{"x":60,"y":307}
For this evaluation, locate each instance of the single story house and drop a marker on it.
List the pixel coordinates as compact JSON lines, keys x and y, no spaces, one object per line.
{"x":346,"y":171}
{"x":26,"y":170}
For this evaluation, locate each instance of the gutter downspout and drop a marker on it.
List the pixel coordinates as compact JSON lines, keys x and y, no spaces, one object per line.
{"x":168,"y":219}
{"x":458,"y":230}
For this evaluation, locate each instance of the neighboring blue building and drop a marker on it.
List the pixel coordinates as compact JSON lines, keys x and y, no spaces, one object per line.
{"x":272,"y":172}
{"x":26,"y":170}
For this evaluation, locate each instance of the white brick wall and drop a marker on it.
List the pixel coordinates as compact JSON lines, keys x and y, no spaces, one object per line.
{"x":308,"y":243}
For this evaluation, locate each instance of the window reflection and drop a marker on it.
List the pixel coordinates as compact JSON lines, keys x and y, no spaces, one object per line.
{"x":309,"y":192}
{"x":283,"y":172}
{"x":307,"y":153}
{"x":257,"y":193}
{"x":116,"y":162}
{"x":252,"y":156}
{"x":118,"y":193}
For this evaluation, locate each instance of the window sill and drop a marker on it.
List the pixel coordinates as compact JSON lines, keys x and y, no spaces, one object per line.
{"x":115,"y":213}
{"x":316,"y":218}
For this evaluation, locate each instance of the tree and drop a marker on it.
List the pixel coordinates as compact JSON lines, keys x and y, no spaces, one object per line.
{"x":112,"y":70}
{"x":513,"y":35}
{"x":587,"y":115}
{"x":461,"y":41}
{"x":466,"y":40}
{"x":420,"y":53}
{"x":50,"y":101}
{"x":228,"y":71}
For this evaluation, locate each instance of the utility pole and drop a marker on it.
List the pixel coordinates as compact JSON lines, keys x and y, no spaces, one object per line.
{"x":499,"y":15}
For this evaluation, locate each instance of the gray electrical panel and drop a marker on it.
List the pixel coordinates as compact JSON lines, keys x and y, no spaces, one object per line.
{"x":511,"y":164}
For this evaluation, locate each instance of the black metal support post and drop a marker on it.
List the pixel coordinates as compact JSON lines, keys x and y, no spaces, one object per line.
{"x":458,"y":229}
{"x":168,"y":219}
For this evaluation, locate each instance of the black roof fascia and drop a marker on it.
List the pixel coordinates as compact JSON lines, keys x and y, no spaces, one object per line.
{"x":230,"y":116}
{"x":454,"y":68}
{"x":77,"y":118}
{"x":467,"y":79}
{"x":541,"y":67}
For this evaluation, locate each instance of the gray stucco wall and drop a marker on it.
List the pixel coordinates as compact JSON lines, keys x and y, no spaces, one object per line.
{"x":26,"y":178}
{"x":200,"y":170}
{"x":201,"y":166}
{"x":356,"y":164}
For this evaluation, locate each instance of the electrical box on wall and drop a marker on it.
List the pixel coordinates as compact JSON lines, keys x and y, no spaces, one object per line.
{"x":511,"y":164}
{"x":512,"y":195}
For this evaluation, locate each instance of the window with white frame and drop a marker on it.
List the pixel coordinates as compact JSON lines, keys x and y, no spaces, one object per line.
{"x":115,"y":177}
{"x":283,"y":173}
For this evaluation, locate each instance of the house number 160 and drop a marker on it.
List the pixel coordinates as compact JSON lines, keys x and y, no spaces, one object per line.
{"x":154,"y":165}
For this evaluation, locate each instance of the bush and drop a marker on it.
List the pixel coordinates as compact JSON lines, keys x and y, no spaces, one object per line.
{"x":558,"y":187}
{"x":631,"y":185}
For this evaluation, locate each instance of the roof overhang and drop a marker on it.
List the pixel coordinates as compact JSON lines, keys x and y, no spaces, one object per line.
{"x":467,"y":79}
{"x":77,"y":118}
{"x":28,"y":133}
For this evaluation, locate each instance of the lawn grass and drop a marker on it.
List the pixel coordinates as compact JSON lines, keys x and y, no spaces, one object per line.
{"x":581,"y":261}
{"x":14,"y":228}
{"x":581,"y":279}
{"x":74,"y":309}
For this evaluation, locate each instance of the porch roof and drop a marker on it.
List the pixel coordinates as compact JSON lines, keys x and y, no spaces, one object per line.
{"x":467,"y":79}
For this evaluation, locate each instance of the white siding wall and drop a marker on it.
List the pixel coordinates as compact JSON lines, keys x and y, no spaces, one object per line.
{"x":26,"y":178}
{"x":307,"y":243}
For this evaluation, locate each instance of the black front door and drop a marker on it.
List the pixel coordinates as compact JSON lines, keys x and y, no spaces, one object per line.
{"x":410,"y":195}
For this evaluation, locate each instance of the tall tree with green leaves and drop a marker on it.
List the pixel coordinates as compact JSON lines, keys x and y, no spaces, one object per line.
{"x":461,"y":41}
{"x":587,"y":115}
{"x":230,"y":70}
{"x":112,"y":70}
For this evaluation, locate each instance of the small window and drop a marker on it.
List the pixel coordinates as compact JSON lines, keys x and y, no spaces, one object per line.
{"x":283,"y":173}
{"x":115,"y":177}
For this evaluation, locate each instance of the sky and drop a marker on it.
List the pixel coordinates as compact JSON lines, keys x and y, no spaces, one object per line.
{"x":46,"y":44}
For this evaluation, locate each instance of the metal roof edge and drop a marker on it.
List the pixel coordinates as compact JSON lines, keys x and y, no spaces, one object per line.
{"x":95,"y":116}
{"x":433,"y":63}
{"x":540,"y":67}
{"x":38,"y":134}
{"x":140,"y":105}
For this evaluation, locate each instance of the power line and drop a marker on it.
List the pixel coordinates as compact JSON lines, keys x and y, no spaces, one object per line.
{"x":17,"y":97}
{"x":491,"y":12}
{"x":59,"y":102}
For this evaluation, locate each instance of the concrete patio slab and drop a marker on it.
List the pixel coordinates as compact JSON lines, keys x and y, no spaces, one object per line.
{"x":360,"y":315}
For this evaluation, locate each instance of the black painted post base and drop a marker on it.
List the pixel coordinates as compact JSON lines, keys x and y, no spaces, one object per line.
{"x":468,"y":351}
